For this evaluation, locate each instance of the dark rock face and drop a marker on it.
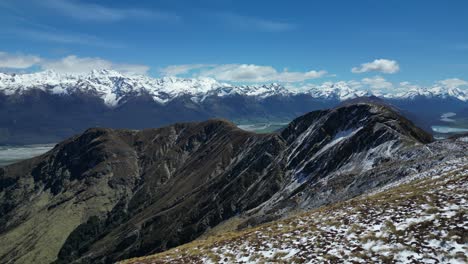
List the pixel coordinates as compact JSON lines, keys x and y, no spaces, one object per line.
{"x":116,"y":194}
{"x":328,"y":151}
{"x":168,"y":184}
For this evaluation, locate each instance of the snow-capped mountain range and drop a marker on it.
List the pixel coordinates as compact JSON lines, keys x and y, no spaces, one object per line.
{"x":47,"y":106}
{"x":113,"y":87}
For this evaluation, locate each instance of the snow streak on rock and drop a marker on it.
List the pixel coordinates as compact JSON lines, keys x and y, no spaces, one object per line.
{"x":423,"y":221}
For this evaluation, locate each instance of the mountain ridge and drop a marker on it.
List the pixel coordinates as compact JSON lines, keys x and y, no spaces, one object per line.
{"x":48,"y":107}
{"x":114,"y":87}
{"x":398,"y":224}
{"x":128,"y":193}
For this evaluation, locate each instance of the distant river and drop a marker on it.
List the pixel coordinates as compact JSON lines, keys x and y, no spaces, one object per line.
{"x":11,"y":154}
{"x":447,"y":129}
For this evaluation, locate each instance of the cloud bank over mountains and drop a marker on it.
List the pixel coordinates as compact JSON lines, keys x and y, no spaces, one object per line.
{"x":231,"y":73}
{"x":17,"y":61}
{"x":68,"y":64}
{"x":242,"y":73}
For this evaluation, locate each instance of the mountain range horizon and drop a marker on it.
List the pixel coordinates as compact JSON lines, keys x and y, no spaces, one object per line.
{"x":11,"y":83}
{"x":225,"y":132}
{"x":47,"y":107}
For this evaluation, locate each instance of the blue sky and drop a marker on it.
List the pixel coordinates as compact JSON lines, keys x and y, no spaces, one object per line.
{"x":421,"y":42}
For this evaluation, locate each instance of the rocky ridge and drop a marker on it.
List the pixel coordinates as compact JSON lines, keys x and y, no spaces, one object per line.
{"x":127,"y":193}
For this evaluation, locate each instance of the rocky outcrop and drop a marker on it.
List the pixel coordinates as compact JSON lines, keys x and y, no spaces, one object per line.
{"x":107,"y":194}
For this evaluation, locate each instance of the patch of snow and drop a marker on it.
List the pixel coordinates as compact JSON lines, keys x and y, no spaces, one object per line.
{"x":339,"y":137}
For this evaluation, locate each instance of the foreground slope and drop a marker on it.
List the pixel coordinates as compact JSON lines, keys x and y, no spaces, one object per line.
{"x":107,"y":195}
{"x":419,"y":220}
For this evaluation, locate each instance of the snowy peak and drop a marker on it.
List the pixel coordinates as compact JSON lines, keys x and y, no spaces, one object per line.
{"x":339,"y":90}
{"x":113,"y":87}
{"x":437,"y":91}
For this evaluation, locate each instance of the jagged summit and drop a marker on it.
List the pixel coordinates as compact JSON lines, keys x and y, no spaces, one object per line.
{"x":47,"y":107}
{"x":114,"y":87}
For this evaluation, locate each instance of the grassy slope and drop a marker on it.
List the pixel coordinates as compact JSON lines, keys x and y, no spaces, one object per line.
{"x":423,"y":220}
{"x":33,"y":241}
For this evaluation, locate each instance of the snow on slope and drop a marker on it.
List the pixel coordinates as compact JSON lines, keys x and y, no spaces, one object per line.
{"x":442,"y":92}
{"x":423,"y":221}
{"x":113,"y":86}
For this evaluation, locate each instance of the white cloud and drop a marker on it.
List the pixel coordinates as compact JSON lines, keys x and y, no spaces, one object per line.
{"x":28,"y":28}
{"x":242,"y":72}
{"x":95,"y":12}
{"x":174,"y":70}
{"x":380,"y":65}
{"x":17,"y":61}
{"x":453,"y":83}
{"x":377,"y":83}
{"x":408,"y":86}
{"x":68,"y":64}
{"x":353,"y":84}
{"x":74,"y":64}
{"x":131,"y":68}
{"x":257,"y":73}
{"x":59,"y":37}
{"x":286,"y":76}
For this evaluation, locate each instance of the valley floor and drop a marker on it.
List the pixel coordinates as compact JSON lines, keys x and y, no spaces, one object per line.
{"x":424,"y":220}
{"x":12,"y":154}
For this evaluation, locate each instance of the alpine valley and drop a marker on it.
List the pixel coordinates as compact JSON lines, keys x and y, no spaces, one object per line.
{"x":47,"y":107}
{"x":357,"y":182}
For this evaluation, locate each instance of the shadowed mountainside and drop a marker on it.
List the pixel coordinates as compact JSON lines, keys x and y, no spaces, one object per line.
{"x":107,"y":194}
